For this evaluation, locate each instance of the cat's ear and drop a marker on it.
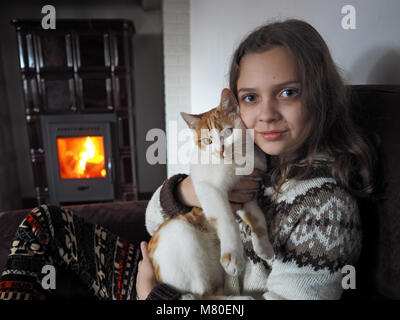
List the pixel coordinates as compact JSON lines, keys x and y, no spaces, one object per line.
{"x":192,"y":120}
{"x":228,"y":101}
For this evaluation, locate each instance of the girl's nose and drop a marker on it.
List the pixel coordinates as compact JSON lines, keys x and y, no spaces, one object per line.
{"x":268,"y":111}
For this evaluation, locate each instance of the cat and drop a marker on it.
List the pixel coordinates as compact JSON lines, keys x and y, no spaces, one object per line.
{"x":191,"y":252}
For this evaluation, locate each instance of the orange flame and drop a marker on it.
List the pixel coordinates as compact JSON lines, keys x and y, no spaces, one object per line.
{"x":81,"y":157}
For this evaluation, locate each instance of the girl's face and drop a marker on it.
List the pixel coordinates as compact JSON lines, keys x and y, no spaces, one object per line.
{"x":269,"y":98}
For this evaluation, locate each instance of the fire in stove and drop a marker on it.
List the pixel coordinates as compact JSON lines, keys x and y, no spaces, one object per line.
{"x":81,"y":157}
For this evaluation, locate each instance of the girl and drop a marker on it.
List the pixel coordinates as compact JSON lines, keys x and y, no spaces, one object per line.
{"x":292,"y":95}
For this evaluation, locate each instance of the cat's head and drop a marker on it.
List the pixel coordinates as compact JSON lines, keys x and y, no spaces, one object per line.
{"x":214,"y":129}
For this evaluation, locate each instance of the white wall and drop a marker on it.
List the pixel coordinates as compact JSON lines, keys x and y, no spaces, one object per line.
{"x":370,"y":54}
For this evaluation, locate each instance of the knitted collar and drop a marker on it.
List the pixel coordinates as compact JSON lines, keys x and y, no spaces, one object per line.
{"x":321,"y":167}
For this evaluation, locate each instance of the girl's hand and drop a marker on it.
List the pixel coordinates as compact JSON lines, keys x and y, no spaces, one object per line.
{"x":186,"y":194}
{"x":146,"y":279}
{"x":245,"y":189}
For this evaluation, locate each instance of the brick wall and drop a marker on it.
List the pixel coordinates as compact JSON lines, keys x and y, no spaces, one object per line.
{"x":176,"y":25}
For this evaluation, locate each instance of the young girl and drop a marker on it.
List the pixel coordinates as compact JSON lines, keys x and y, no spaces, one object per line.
{"x":291,"y":94}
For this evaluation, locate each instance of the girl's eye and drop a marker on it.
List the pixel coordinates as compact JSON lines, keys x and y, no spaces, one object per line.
{"x":249,"y":98}
{"x":287,"y":93}
{"x":207,"y":140}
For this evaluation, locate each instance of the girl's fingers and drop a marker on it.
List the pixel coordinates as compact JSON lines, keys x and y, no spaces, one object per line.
{"x":256,"y":174}
{"x":236,"y":206}
{"x":241,"y":197}
{"x":143,"y":248}
{"x":245,"y":185}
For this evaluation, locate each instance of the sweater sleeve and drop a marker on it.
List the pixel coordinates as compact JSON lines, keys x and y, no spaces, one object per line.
{"x":164,"y":205}
{"x":163,"y":291}
{"x":321,"y":234}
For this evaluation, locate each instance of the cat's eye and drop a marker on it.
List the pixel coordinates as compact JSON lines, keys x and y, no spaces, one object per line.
{"x":226,"y":132}
{"x":207,"y":140}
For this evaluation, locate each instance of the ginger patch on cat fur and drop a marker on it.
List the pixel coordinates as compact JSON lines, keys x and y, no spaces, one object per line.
{"x":196,"y":218}
{"x":211,"y":121}
{"x":226,"y":258}
{"x":253,"y":223}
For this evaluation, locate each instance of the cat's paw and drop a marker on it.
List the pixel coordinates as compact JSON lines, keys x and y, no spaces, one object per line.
{"x":233,"y":263}
{"x":262,"y":247}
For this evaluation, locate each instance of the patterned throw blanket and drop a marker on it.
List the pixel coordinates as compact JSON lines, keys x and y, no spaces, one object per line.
{"x":55,"y":237}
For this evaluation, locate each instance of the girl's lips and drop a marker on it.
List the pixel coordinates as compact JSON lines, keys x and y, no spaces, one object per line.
{"x":271,"y":135}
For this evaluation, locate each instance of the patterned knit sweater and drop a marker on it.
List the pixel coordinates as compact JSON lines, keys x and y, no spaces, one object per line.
{"x":314,"y":228}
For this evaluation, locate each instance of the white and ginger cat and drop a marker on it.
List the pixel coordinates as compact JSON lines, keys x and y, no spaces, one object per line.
{"x":190,"y":252}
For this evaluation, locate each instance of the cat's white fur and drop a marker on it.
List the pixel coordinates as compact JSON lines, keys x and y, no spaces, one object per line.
{"x":189,"y":259}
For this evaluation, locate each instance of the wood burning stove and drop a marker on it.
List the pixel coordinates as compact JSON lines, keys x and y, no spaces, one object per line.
{"x":80,"y":157}
{"x":78,"y":90}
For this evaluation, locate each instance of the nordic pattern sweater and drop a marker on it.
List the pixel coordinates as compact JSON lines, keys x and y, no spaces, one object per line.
{"x":314,"y":228}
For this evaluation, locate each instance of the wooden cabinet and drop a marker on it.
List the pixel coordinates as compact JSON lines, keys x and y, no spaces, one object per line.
{"x":81,"y":67}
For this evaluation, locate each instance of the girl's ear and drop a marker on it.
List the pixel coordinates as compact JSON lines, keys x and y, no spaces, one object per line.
{"x":228,"y":101}
{"x":192,"y":120}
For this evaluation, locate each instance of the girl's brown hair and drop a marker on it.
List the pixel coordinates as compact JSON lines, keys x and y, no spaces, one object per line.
{"x":329,"y":126}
